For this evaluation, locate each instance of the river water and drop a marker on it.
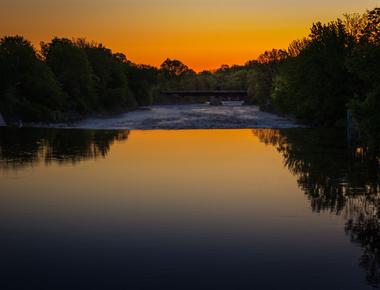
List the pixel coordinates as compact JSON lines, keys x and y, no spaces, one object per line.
{"x":287,"y":208}
{"x":196,"y":116}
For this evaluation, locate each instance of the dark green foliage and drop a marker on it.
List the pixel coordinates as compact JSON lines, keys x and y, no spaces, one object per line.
{"x":142,"y":81}
{"x":68,"y":79}
{"x":365,"y":63}
{"x":109,"y":77}
{"x":28,"y":88}
{"x":174,"y":70}
{"x":367,"y":114}
{"x":315,"y":84}
{"x":264,"y":72}
{"x":231,"y":77}
{"x":73,"y":70}
{"x":173,"y":75}
{"x":263,"y":78}
{"x":336,"y":68}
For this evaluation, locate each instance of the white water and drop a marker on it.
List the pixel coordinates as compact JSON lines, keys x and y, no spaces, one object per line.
{"x":198,"y":116}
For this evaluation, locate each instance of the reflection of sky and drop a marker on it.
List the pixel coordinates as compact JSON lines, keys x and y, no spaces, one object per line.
{"x":202,"y":33}
{"x":211,"y":207}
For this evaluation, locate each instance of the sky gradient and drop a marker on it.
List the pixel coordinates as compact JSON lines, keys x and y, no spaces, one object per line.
{"x":202,"y":33}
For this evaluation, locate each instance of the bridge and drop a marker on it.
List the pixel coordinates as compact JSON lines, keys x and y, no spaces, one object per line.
{"x":219,"y":94}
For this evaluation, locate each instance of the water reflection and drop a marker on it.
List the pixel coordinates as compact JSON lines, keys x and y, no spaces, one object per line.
{"x":338,"y":178}
{"x":25,"y":147}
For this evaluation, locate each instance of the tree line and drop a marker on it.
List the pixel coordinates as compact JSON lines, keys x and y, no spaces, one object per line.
{"x":67,"y":78}
{"x":316,"y":79}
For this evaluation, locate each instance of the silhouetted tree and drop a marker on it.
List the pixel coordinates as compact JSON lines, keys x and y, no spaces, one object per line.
{"x":143,"y":80}
{"x":365,"y":63}
{"x":73,"y":70}
{"x":316,"y":85}
{"x":174,"y":69}
{"x":262,"y":77}
{"x":28,"y":88}
{"x":109,"y":78}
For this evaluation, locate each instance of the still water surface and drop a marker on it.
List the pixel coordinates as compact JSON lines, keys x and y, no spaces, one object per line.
{"x":186,"y":209}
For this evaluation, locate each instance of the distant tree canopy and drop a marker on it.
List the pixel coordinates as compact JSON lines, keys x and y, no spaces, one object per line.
{"x":72,"y":69}
{"x":172,"y":69}
{"x":68,"y":78}
{"x":28,"y":87}
{"x":335,"y":68}
{"x":318,"y":78}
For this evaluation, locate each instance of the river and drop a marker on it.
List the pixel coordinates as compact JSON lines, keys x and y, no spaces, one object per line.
{"x":287,"y":208}
{"x":196,"y":116}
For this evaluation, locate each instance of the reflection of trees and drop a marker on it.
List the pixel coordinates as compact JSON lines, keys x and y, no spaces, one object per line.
{"x":23,"y":147}
{"x":363,"y":226}
{"x":338,"y":178}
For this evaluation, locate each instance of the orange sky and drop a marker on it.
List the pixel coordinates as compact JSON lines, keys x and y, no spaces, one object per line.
{"x":202,"y":33}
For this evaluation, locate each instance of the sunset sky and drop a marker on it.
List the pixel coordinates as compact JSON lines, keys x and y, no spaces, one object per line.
{"x":202,"y":33}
